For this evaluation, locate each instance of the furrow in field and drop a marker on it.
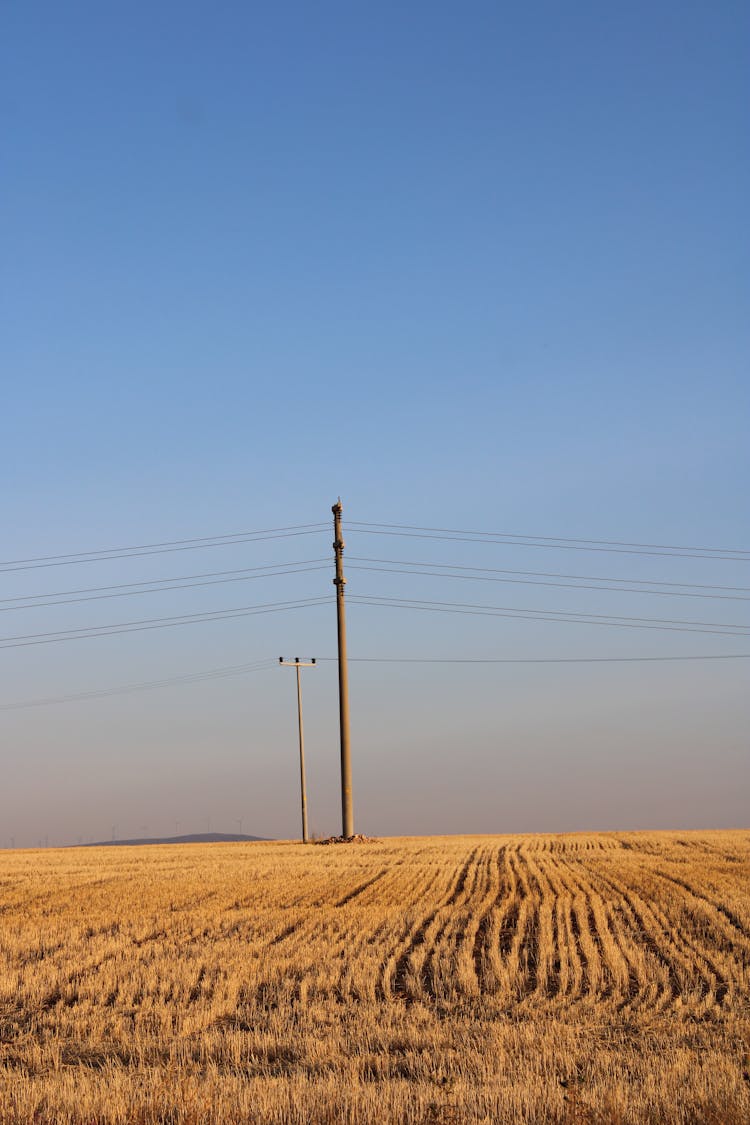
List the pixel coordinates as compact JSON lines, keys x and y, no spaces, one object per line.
{"x":424,"y":963}
{"x":607,"y":970}
{"x":304,"y":908}
{"x":361,"y":944}
{"x":689,"y":982}
{"x":713,"y":981}
{"x":392,"y":950}
{"x":403,"y":981}
{"x":728,"y":920}
{"x":616,"y":973}
{"x":549,"y":953}
{"x":567,"y":960}
{"x":288,"y":968}
{"x":365,"y":966}
{"x":484,"y":973}
{"x":694,"y":939}
{"x":595,"y":960}
{"x":503,"y":919}
{"x":525,"y":949}
{"x":707,"y":848}
{"x":428,"y":953}
{"x":651,"y":980}
{"x":513,"y":934}
{"x":359,"y":890}
{"x":449,"y":966}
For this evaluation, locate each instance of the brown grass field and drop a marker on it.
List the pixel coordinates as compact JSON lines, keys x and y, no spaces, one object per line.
{"x":578,"y":978}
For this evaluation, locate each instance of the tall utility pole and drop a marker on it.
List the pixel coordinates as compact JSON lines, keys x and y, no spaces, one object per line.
{"x":297,"y":663}
{"x":347,"y":812}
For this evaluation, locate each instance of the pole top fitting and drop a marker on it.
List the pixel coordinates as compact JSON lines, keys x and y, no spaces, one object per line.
{"x":337,"y":508}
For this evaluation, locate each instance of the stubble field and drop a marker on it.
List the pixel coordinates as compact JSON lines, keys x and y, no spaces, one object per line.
{"x":590,"y":978}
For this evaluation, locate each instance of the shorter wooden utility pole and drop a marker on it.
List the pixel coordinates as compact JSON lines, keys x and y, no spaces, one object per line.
{"x":297,"y":663}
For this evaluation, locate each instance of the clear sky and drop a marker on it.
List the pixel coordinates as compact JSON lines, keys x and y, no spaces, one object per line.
{"x":470,"y":265}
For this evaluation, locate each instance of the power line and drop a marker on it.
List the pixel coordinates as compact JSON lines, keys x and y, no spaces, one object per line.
{"x":555,"y":574}
{"x":168,"y":578}
{"x":89,"y":632}
{"x":553,"y":615}
{"x":165,"y":543}
{"x":408,"y":530}
{"x":571,"y":613}
{"x":147,"y":685}
{"x":156,"y":585}
{"x":535,"y":659}
{"x":267,"y":663}
{"x":168,"y":547}
{"x":554,"y":539}
{"x":485,"y":574}
{"x":494,"y":538}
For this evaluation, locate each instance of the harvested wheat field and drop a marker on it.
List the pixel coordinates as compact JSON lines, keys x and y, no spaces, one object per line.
{"x":589,"y":978}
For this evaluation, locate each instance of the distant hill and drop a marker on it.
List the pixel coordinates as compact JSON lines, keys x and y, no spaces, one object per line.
{"x":195,"y":838}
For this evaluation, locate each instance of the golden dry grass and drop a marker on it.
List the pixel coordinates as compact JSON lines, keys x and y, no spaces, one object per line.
{"x":582,"y":978}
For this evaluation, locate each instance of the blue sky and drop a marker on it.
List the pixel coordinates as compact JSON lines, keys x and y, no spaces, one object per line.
{"x":467,"y":265}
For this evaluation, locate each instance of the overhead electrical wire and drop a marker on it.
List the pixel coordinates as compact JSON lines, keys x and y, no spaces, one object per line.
{"x":92,"y":631}
{"x":522,"y":613}
{"x":574,"y":613}
{"x":521,"y":577}
{"x":532,"y":659}
{"x":390,"y":566}
{"x":553,"y":574}
{"x":363,"y":527}
{"x":486,"y":574}
{"x":268,"y":662}
{"x":510,"y":540}
{"x":147,"y":685}
{"x":373,"y":528}
{"x":555,"y":538}
{"x":167,"y":547}
{"x":665,"y":624}
{"x":157,"y":586}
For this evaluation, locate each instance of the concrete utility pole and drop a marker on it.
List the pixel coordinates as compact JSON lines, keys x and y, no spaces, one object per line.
{"x":347,"y":812}
{"x":297,"y":663}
